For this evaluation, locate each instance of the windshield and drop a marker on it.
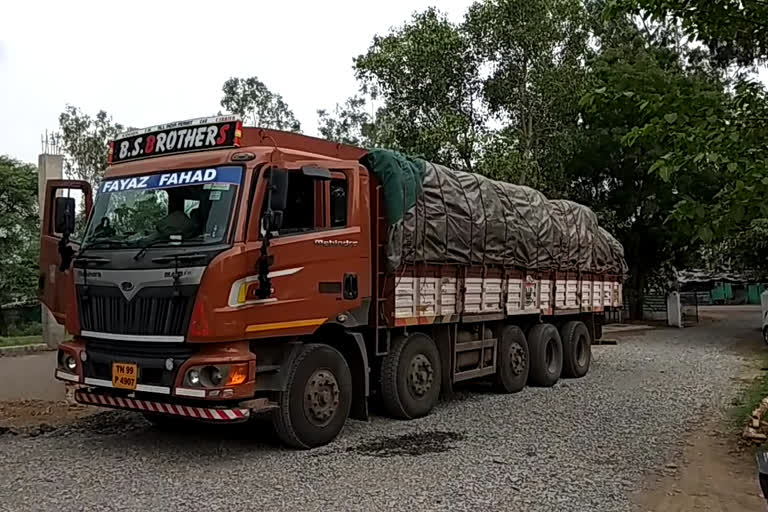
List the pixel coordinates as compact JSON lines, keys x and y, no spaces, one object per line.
{"x":188,"y":207}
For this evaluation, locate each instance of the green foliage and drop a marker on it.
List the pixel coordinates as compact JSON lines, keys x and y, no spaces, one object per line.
{"x":250,"y":99}
{"x":350,"y":123}
{"x":84,"y":140}
{"x":19,"y":230}
{"x":734,"y":30}
{"x":719,"y":130}
{"x":141,"y":215}
{"x":534,"y":50}
{"x":426,"y":74}
{"x":14,"y":340}
{"x":612,"y":170}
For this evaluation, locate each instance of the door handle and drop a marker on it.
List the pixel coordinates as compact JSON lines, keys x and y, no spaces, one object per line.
{"x":350,"y":286}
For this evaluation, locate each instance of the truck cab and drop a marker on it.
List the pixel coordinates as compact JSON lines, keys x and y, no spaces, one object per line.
{"x":209,"y":249}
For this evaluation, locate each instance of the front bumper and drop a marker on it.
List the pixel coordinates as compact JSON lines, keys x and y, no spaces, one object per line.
{"x":154,"y":406}
{"x":94,"y":360}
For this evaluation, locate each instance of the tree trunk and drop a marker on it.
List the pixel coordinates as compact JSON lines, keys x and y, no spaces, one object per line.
{"x":3,"y":325}
{"x":637,"y":278}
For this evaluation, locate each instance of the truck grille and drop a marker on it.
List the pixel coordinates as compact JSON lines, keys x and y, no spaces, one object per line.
{"x":150,"y":358}
{"x":152,"y":312}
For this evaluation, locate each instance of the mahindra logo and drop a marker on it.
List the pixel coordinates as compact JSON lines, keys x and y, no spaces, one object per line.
{"x":126,"y":286}
{"x":337,"y":243}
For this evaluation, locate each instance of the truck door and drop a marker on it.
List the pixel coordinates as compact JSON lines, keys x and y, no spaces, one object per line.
{"x":320,"y":254}
{"x":56,"y":286}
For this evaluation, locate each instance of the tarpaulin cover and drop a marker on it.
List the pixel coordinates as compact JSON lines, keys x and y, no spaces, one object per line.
{"x":439,"y":215}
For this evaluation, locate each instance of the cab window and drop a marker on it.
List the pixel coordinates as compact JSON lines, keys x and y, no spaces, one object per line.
{"x":313,"y":204}
{"x":338,"y":202}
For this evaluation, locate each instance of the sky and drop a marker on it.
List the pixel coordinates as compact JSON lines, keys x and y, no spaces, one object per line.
{"x":152,"y":62}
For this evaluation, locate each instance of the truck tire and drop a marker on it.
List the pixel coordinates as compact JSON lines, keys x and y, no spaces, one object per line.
{"x":512,"y":361}
{"x":317,"y":399}
{"x":577,"y":349}
{"x":410,"y":377}
{"x":546,"y":350}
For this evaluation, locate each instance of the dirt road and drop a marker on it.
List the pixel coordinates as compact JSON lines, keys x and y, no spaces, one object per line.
{"x":29,"y":377}
{"x":636,"y":434}
{"x":714,"y":473}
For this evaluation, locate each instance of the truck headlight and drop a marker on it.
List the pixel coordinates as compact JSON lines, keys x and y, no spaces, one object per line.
{"x":70,"y":363}
{"x":193,"y":377}
{"x":215,"y":375}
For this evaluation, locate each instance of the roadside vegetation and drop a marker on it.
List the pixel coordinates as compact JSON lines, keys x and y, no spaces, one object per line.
{"x":12,"y":341}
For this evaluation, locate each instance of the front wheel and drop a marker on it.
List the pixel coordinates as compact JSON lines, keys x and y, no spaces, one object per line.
{"x":318,"y":396}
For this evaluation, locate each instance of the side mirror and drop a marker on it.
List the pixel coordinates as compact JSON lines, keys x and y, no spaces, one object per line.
{"x":64,"y":215}
{"x":278,"y":181}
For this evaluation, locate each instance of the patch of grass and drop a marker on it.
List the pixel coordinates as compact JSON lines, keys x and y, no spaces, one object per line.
{"x":11,"y":341}
{"x":751,"y":395}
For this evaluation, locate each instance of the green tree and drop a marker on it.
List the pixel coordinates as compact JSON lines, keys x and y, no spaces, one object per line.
{"x":350,"y":123}
{"x":727,"y":134}
{"x":84,"y":140}
{"x":535,"y":52}
{"x":19,"y":232}
{"x":733,"y":30}
{"x":426,"y":75}
{"x":630,"y":71}
{"x":250,"y":99}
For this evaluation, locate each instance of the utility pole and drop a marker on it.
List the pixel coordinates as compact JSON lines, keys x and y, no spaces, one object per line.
{"x":50,"y":166}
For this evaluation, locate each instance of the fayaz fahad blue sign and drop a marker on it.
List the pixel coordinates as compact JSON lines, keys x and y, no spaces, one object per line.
{"x":174,"y":179}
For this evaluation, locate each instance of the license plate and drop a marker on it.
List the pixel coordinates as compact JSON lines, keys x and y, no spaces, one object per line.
{"x":124,"y":375}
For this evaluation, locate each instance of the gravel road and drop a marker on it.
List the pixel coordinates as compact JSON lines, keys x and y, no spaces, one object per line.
{"x":583,"y":445}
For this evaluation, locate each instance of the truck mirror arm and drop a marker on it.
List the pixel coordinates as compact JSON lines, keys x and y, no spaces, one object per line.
{"x":66,"y":252}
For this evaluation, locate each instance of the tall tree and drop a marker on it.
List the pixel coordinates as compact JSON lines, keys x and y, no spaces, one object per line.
{"x":427,"y":77}
{"x":733,"y":30}
{"x":534,"y":51}
{"x":349,"y":123}
{"x":255,"y":103}
{"x":613,"y":177}
{"x":84,"y":140}
{"x":19,"y":232}
{"x":727,"y":135}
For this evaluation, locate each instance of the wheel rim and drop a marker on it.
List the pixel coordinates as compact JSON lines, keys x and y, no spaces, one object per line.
{"x":420,"y":376}
{"x":581,"y":351}
{"x":321,"y":397}
{"x":516,"y":359}
{"x":551,"y":366}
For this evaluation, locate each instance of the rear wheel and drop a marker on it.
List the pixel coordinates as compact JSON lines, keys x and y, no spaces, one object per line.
{"x":512,"y":362}
{"x":546,"y":350}
{"x":577,"y":349}
{"x":315,"y":405}
{"x":410,"y":377}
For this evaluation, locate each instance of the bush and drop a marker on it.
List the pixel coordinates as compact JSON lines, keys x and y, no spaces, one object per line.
{"x":30,"y":329}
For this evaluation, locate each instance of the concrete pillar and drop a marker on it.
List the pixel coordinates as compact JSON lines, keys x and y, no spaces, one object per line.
{"x":674,"y":311}
{"x":50,"y":167}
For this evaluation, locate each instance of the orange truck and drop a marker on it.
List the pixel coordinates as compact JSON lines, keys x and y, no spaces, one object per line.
{"x":226,"y":272}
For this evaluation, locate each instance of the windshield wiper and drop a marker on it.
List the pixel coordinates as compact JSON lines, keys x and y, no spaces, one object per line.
{"x":96,"y":243}
{"x":181,"y":256}
{"x":143,"y":249}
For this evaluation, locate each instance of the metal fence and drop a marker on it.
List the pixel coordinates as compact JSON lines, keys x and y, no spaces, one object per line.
{"x":689,"y":307}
